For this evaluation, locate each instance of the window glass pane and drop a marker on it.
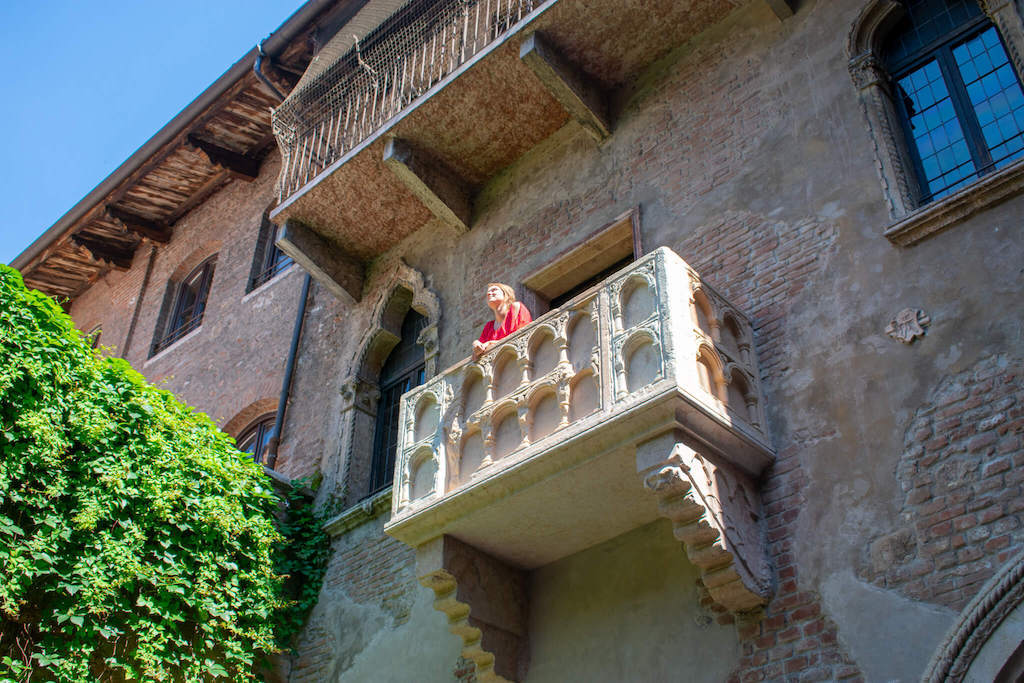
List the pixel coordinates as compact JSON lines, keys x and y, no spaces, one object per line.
{"x":935,"y":130}
{"x":256,"y":439}
{"x":994,"y":93}
{"x":925,"y":22}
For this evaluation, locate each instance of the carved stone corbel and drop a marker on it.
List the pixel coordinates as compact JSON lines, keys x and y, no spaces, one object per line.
{"x":360,"y":394}
{"x":485,"y":602}
{"x":715,"y":511}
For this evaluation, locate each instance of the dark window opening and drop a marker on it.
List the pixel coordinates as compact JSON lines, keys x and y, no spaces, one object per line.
{"x":961,"y":102}
{"x":93,"y":336}
{"x":403,"y":370}
{"x":255,"y":438}
{"x":590,"y":282}
{"x":611,"y":248}
{"x":189,"y":304}
{"x":268,"y":260}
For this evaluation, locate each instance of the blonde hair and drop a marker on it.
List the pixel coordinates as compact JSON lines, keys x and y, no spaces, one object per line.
{"x":510,"y":294}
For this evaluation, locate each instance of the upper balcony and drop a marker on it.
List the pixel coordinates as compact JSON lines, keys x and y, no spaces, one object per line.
{"x":398,"y":123}
{"x":545,"y":446}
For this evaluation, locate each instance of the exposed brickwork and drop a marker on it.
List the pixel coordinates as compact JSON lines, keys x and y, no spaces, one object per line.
{"x":762,"y":266}
{"x":961,"y":470}
{"x":236,"y":357}
{"x":378,"y":570}
{"x":368,"y":568}
{"x":795,"y":640}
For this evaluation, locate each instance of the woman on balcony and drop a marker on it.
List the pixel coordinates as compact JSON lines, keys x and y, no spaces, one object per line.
{"x":509,"y":316}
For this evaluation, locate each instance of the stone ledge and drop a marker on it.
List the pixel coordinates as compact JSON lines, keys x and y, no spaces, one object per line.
{"x":360,"y":513}
{"x":943,"y":213}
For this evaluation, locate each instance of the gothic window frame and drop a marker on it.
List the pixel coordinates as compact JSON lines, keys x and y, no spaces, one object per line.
{"x":910,"y":220}
{"x":400,"y":289}
{"x":184,"y":306}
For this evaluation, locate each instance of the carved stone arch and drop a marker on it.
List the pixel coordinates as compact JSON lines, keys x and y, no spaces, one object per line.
{"x":871,"y":26}
{"x":403,"y":288}
{"x":394,"y":288}
{"x":717,"y":379}
{"x":966,"y":653}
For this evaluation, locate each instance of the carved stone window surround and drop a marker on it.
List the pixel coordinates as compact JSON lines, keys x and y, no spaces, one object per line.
{"x":399,"y":288}
{"x":987,"y":191}
{"x":910,"y":222}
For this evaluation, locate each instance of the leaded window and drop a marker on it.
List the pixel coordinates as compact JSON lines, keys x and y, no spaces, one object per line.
{"x":959,"y":98}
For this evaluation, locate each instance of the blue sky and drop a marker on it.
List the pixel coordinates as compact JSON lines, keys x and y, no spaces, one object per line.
{"x":89,"y":81}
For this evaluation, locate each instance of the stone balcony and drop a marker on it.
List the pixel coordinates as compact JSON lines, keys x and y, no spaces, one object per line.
{"x":639,"y":398}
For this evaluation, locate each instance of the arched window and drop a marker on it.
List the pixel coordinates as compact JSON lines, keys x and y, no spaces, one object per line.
{"x":189,"y":303}
{"x":958,"y":97}
{"x":255,"y":438}
{"x":403,"y":370}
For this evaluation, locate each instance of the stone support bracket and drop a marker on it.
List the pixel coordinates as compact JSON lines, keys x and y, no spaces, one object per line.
{"x":339,"y":272}
{"x":582,"y":98}
{"x":715,"y":511}
{"x":485,"y":601}
{"x":437,"y":186}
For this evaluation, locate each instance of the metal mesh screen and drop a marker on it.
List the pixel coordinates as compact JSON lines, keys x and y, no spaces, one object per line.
{"x":381,"y":75}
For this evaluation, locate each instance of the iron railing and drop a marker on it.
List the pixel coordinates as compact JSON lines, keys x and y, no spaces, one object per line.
{"x":380,"y":76}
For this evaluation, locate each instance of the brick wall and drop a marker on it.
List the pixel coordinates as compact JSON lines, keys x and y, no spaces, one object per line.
{"x":236,"y":357}
{"x":961,"y":471}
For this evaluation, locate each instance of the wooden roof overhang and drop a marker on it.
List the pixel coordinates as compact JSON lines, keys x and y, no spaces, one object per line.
{"x":223,"y":134}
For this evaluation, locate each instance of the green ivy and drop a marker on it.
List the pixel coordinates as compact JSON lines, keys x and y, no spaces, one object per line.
{"x":303,"y":559}
{"x":136,"y":542}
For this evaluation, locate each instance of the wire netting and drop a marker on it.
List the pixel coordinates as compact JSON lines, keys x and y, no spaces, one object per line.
{"x":380,"y":75}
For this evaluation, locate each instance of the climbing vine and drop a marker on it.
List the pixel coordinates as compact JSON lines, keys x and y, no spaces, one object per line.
{"x":136,"y":542}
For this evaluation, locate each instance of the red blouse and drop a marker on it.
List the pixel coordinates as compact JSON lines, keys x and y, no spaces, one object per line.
{"x":516,"y":317}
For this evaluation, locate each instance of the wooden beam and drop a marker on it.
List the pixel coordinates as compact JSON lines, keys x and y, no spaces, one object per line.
{"x":578,"y":93}
{"x":238,"y":165}
{"x":341,"y":273}
{"x":121,"y":259}
{"x":437,"y":186}
{"x":783,"y":9}
{"x":158,"y":232}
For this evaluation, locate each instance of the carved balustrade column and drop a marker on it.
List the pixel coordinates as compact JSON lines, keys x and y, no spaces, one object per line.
{"x":525,"y":421}
{"x":487,"y":431}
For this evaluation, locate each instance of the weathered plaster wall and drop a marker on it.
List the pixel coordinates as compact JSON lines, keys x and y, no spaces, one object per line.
{"x":747,"y":153}
{"x":625,"y":610}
